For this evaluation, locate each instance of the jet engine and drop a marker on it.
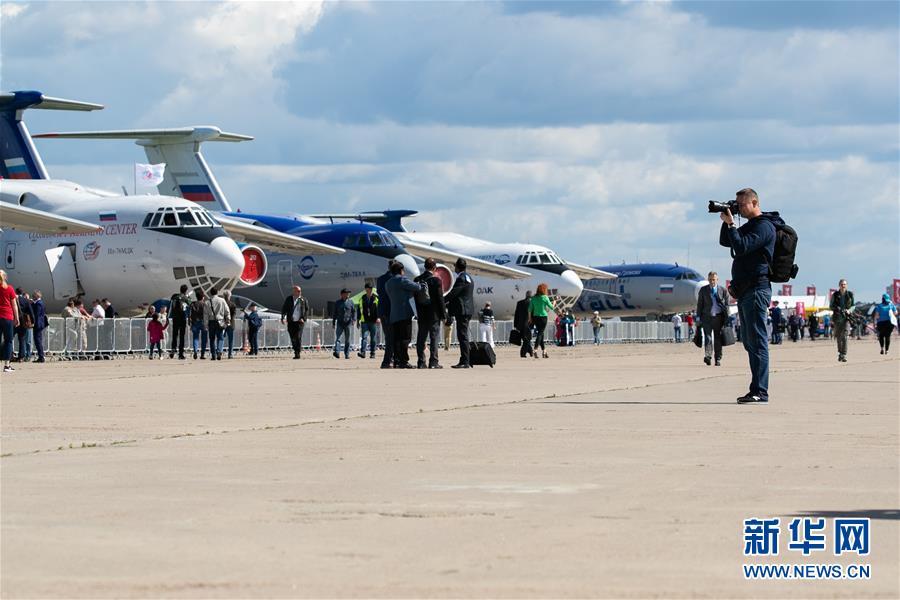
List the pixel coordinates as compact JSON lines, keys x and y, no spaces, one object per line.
{"x":255,"y":265}
{"x":446,"y":275}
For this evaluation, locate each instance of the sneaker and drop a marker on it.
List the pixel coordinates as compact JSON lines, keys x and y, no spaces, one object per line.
{"x":707,"y":360}
{"x":8,"y":369}
{"x":748,"y":397}
{"x":718,"y":363}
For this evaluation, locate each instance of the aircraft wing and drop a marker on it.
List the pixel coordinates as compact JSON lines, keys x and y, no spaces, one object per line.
{"x":269,"y":239}
{"x":584,"y":272}
{"x":23,"y":218}
{"x":475,"y":266}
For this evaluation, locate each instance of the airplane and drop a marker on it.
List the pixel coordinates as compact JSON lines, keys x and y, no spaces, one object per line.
{"x":367,"y":246}
{"x":651,"y":290}
{"x":141,"y":247}
{"x":541,"y":264}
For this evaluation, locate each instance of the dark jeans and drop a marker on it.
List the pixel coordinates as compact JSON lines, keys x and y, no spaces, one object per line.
{"x":753,"y":307}
{"x":252,"y":333}
{"x":367,"y":330}
{"x":215,"y":339}
{"x":540,"y":325}
{"x":199,"y":335}
{"x":229,"y":340}
{"x":430,"y":331}
{"x":178,"y":331}
{"x":295,"y":332}
{"x":39,"y":342}
{"x":402,"y":336}
{"x":885,"y":329}
{"x":6,"y":339}
{"x":342,"y":330}
{"x":388,"y":332}
{"x":462,"y":336}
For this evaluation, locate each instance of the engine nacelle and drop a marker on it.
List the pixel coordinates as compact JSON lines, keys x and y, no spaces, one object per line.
{"x":255,"y":265}
{"x":446,"y":275}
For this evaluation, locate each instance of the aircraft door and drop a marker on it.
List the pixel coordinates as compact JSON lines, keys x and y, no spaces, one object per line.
{"x":61,"y":261}
{"x":285,"y":274}
{"x":10,"y":262}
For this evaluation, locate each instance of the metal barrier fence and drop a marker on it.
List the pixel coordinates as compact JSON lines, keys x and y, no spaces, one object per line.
{"x":86,"y":337}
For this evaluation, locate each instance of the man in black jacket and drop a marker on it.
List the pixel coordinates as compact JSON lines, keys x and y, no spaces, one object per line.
{"x":461,"y":306}
{"x":752,"y":247}
{"x":431,"y":314}
{"x":842,"y":303}
{"x":712,"y":310}
{"x":179,"y":307}
{"x":520,"y":322}
{"x":384,"y":315}
{"x":295,"y":310}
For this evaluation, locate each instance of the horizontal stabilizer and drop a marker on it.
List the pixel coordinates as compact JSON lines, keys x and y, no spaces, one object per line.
{"x":13,"y":216}
{"x":269,"y":239}
{"x":587,"y":273}
{"x":33,"y":99}
{"x":474,"y":266}
{"x":177,"y":135}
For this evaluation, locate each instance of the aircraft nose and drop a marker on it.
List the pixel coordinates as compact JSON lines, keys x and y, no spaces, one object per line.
{"x":409,"y":265}
{"x":571,"y":285}
{"x":225,"y":258}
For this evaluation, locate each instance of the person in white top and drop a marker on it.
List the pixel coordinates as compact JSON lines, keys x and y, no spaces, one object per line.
{"x":676,"y":321}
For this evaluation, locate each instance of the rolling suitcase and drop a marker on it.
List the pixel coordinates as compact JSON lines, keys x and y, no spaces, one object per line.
{"x":481,"y":353}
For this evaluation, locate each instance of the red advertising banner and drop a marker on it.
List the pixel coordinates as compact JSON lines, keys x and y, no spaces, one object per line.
{"x":810,"y":290}
{"x":800,"y":308}
{"x":786,"y":289}
{"x":896,"y":293}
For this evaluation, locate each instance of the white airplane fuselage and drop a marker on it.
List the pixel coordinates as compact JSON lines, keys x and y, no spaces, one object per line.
{"x":641,"y":290}
{"x":503,"y":294}
{"x":132,"y":260}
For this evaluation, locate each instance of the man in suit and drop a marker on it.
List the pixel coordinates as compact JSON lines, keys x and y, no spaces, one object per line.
{"x":461,"y":306}
{"x":40,"y":323}
{"x":712,"y":310}
{"x":295,"y":310}
{"x":400,"y":289}
{"x":520,"y":322}
{"x":431,"y":315}
{"x":384,"y":315}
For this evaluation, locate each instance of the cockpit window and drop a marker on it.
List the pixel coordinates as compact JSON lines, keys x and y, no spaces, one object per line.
{"x":156,"y":219}
{"x":169,"y":217}
{"x":376,"y":240}
{"x":187,"y":217}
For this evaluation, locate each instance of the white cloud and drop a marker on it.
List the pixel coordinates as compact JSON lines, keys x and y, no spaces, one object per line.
{"x":10,"y":10}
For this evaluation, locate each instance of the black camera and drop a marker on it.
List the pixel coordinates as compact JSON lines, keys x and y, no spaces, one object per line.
{"x":720,"y":207}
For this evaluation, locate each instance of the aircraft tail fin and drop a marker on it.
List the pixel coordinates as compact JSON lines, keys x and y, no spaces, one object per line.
{"x":19,"y":159}
{"x":391,"y":219}
{"x":187,"y":174}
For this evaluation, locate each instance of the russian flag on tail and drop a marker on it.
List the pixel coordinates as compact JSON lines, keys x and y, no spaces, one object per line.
{"x":16,"y":168}
{"x":197,"y":193}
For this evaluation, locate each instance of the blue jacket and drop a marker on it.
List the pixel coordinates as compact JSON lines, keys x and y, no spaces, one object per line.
{"x":40,"y":314}
{"x":752,"y":246}
{"x":401,"y":291}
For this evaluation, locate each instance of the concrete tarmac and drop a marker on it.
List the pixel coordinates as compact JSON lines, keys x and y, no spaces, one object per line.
{"x":613,"y":471}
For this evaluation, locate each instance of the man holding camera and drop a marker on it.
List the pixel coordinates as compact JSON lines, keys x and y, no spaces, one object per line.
{"x":752,"y":248}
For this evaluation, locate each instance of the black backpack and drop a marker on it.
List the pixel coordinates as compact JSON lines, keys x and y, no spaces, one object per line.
{"x":423,"y":296}
{"x":782,"y":267}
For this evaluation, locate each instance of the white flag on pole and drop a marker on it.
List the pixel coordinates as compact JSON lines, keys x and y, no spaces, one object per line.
{"x":149,"y":175}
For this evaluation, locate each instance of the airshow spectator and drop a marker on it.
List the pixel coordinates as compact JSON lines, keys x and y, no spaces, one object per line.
{"x":689,"y":319}
{"x":220,"y":318}
{"x":777,"y":323}
{"x":199,"y":331}
{"x":597,"y":324}
{"x":26,"y":325}
{"x":367,"y":312}
{"x":794,"y":326}
{"x":401,"y":291}
{"x":254,"y":322}
{"x":179,"y":312}
{"x":40,"y":323}
{"x":842,"y":303}
{"x":229,"y":329}
{"x":537,"y":313}
{"x":84,"y":317}
{"x":486,"y":324}
{"x":109,"y":309}
{"x":885,"y":317}
{"x":712,"y":311}
{"x":155,"y":329}
{"x":676,"y":325}
{"x":9,"y":320}
{"x":431,"y":311}
{"x":384,"y":315}
{"x":342,"y":320}
{"x":461,"y":306}
{"x":521,"y":324}
{"x":295,"y":311}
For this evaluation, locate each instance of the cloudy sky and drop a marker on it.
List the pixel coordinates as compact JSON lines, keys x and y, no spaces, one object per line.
{"x":600,"y":129}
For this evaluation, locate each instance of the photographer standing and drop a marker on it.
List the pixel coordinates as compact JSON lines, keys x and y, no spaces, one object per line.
{"x":752,"y":248}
